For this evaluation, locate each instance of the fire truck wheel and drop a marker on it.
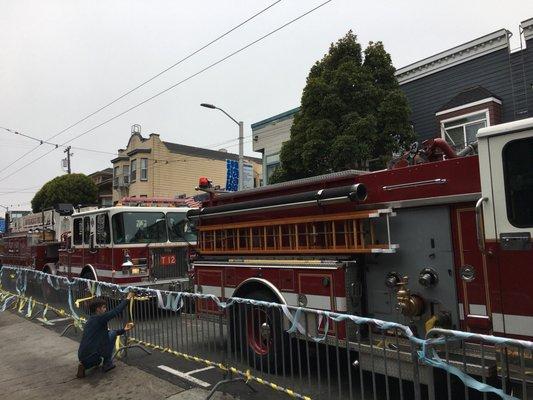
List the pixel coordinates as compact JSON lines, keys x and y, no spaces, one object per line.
{"x":88,"y":274}
{"x":258,"y":334}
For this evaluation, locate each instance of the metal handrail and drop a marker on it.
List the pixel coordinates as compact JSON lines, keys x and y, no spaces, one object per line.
{"x":480,"y":232}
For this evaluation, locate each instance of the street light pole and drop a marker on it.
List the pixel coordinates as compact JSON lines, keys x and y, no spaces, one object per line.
{"x":6,"y":226}
{"x":241,"y":141}
{"x":241,"y":157}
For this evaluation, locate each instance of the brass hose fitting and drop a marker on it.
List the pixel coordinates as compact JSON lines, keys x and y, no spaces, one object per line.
{"x":410,"y":305}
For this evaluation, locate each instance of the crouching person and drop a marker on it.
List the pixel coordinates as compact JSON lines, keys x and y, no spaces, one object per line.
{"x":97,"y":342}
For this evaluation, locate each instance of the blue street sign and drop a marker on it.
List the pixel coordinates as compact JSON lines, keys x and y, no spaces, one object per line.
{"x":232,"y":175}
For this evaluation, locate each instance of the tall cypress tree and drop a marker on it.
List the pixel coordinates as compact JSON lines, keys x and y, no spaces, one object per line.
{"x":352,"y":112}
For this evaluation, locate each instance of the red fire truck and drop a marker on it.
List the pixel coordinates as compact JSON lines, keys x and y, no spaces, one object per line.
{"x":133,"y":245}
{"x":439,"y":236}
{"x":34,"y":240}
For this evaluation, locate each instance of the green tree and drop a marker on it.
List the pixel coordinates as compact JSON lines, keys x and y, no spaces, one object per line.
{"x":71,"y":188}
{"x":352,"y":112}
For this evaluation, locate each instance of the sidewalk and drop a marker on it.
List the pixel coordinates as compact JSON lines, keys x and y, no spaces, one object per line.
{"x":36,"y":363}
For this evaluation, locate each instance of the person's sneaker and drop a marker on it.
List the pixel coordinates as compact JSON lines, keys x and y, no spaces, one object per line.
{"x":108,"y":367}
{"x":81,"y":371}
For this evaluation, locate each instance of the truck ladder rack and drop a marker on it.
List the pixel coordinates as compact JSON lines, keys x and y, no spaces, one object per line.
{"x":341,"y":233}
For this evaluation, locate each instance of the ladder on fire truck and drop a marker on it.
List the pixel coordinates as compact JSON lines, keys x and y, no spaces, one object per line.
{"x":348,"y":232}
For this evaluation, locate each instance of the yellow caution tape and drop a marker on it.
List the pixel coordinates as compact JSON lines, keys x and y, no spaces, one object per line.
{"x":118,"y":345}
{"x":247,"y":375}
{"x":77,"y":302}
{"x":31,"y":304}
{"x":23,"y":300}
{"x":132,"y":300}
{"x":22,"y":303}
{"x":430,"y":323}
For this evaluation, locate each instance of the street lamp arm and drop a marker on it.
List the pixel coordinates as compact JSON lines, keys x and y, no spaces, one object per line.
{"x":229,"y":116}
{"x":241,"y":138}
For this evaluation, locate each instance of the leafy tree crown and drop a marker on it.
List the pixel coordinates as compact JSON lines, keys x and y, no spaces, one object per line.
{"x":71,"y":188}
{"x":352,"y":113}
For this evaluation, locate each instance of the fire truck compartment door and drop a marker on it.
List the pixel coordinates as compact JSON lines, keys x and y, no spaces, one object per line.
{"x":471,"y":270}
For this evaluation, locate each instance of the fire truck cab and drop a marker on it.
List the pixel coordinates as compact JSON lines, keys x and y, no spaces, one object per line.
{"x":442,"y":239}
{"x":144,"y":246}
{"x":504,"y":228}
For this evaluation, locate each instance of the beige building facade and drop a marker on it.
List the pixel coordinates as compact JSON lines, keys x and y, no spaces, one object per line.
{"x":150,"y":167}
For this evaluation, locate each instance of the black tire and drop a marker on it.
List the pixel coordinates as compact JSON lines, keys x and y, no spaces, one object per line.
{"x":88,"y":274}
{"x":258,"y":336}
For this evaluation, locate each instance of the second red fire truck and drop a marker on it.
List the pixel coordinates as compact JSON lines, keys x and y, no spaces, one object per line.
{"x":137,"y":244}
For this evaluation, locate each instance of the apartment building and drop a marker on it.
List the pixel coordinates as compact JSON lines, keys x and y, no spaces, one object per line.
{"x":151,"y":167}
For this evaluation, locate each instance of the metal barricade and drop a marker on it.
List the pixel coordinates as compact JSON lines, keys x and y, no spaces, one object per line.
{"x":484,"y":361}
{"x":303,"y":353}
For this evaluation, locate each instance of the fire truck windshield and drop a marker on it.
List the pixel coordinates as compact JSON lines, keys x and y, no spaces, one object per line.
{"x":180,"y":229}
{"x":139,"y":227}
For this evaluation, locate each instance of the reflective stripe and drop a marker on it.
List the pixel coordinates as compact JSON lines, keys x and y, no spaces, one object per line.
{"x":228,"y":292}
{"x":514,"y":324}
{"x":313,"y":300}
{"x":461,"y":311}
{"x":478,"y":309}
{"x":206,"y":289}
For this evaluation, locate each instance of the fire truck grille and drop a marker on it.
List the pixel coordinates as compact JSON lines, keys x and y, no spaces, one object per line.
{"x":169,"y":263}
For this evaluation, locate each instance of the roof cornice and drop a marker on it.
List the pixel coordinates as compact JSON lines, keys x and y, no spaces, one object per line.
{"x":468,"y":105}
{"x":276,"y":118}
{"x":457,"y":55}
{"x":119,"y":158}
{"x":527,"y":28}
{"x":139,"y":151}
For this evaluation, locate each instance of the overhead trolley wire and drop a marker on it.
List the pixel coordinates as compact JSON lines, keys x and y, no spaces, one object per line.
{"x":55,"y":145}
{"x":144,"y":83}
{"x":221,"y":60}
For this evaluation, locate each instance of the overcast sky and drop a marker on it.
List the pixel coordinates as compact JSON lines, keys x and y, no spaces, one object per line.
{"x":61,"y":60}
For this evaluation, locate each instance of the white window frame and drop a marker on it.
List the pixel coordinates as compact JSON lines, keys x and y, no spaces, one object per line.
{"x":143,"y":169}
{"x":133,"y":171}
{"x":126,"y":174}
{"x":267,"y":164}
{"x":448,"y":120}
{"x":116,"y":179}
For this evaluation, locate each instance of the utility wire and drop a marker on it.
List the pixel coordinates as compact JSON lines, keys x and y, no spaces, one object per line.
{"x":26,"y":188}
{"x":199,"y":72}
{"x":55,"y":145}
{"x":175,"y":85}
{"x":17,"y":192}
{"x":145,"y":82}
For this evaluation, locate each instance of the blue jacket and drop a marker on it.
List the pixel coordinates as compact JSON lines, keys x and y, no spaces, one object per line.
{"x":95,"y":335}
